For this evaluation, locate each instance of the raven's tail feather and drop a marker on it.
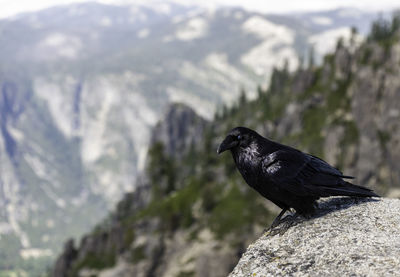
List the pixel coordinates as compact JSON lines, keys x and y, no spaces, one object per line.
{"x":348,"y":189}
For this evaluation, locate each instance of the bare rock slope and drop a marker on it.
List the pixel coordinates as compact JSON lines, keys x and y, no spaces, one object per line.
{"x":348,"y":237}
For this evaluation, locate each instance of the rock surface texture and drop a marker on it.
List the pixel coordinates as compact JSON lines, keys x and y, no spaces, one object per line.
{"x":348,"y":237}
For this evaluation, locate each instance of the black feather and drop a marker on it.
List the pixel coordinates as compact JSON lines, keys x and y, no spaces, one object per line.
{"x":284,"y":175}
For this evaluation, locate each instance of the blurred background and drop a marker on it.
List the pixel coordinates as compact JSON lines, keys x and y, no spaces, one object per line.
{"x":111,"y":113}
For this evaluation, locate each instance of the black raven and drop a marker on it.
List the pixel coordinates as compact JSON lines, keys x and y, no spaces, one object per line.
{"x":284,"y":175}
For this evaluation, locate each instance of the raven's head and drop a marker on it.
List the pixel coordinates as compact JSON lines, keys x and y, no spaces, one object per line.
{"x":239,"y":137}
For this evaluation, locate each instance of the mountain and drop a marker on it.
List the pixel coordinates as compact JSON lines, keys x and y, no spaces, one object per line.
{"x":193,"y":215}
{"x":82,"y":85}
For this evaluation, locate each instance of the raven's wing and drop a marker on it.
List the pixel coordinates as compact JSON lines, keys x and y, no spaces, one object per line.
{"x":285,"y":169}
{"x":305,"y":175}
{"x":324,"y":167}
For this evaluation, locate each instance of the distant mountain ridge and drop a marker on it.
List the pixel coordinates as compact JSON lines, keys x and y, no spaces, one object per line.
{"x":193,"y":214}
{"x":82,"y":85}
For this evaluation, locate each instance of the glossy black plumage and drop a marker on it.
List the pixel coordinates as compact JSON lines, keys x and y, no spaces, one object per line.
{"x":284,"y":175}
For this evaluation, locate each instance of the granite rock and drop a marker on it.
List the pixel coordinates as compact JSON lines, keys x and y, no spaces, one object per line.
{"x":347,"y":237}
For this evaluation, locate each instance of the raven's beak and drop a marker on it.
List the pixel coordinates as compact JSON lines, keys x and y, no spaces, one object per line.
{"x":221,"y":148}
{"x":227,"y":144}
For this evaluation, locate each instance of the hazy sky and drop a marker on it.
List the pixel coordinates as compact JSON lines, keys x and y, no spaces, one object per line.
{"x":12,"y":7}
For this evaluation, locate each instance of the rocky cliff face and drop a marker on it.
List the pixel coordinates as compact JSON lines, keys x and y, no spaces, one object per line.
{"x":346,"y":237}
{"x":197,"y":215}
{"x":181,"y":128}
{"x":59,"y":152}
{"x":122,"y":242}
{"x":82,"y":85}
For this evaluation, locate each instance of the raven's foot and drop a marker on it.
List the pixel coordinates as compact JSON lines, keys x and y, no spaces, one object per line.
{"x":277,"y":220}
{"x":282,"y":225}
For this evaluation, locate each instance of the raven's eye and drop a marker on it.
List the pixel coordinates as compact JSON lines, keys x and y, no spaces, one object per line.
{"x":239,"y":137}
